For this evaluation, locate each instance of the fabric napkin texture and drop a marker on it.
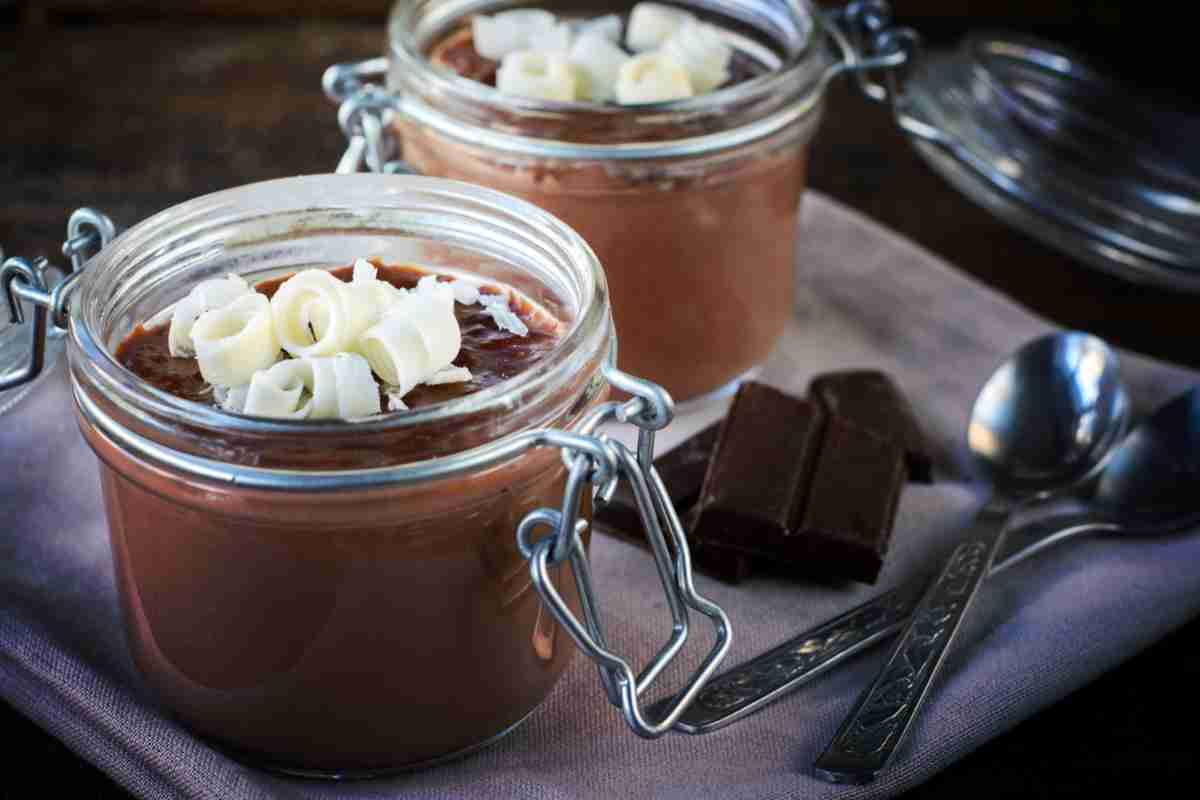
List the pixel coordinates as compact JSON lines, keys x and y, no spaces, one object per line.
{"x":867,"y":299}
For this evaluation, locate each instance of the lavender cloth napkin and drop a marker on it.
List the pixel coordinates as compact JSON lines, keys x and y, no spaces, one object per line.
{"x":869,"y":299}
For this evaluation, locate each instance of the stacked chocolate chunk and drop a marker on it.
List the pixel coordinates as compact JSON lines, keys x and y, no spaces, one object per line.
{"x":807,"y":485}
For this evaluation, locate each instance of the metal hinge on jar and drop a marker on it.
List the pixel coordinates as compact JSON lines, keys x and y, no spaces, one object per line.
{"x":650,"y":410}
{"x":88,"y":231}
{"x":365,"y":113}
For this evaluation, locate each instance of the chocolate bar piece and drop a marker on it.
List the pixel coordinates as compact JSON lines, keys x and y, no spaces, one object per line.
{"x":760,"y":471}
{"x":852,"y":502}
{"x":792,"y":487}
{"x":682,"y":470}
{"x":871,"y":400}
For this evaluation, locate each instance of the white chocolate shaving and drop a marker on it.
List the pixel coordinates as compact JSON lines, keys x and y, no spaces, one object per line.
{"x":231,"y":398}
{"x":496,"y":305}
{"x":235,"y":341}
{"x":650,"y":24}
{"x":315,"y":314}
{"x":204,"y":296}
{"x":450,"y":375}
{"x":465,"y":292}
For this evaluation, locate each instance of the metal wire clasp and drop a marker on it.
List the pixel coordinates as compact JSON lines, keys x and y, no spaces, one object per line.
{"x":649,"y":410}
{"x":869,"y":45}
{"x":88,"y":231}
{"x":364,"y":114}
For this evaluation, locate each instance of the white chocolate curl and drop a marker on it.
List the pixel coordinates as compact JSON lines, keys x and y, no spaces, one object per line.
{"x":543,"y":76}
{"x":325,"y":387}
{"x":650,"y":24}
{"x":552,"y":40}
{"x":276,"y":392}
{"x":316,"y":314}
{"x":652,"y":78}
{"x":358,"y":394}
{"x":235,"y":341}
{"x":382,"y":293}
{"x":204,"y":296}
{"x":608,"y":26}
{"x":699,"y":48}
{"x":416,"y":338}
{"x":600,"y":60}
{"x":500,"y":34}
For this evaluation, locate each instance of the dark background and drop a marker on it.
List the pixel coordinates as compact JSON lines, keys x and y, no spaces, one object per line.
{"x":132,"y":106}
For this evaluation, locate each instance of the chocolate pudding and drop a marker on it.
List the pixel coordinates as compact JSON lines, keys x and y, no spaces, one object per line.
{"x":341,"y":632}
{"x":699,"y":249}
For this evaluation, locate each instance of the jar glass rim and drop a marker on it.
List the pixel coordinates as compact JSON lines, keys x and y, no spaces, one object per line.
{"x":412,"y":24}
{"x":590,"y":326}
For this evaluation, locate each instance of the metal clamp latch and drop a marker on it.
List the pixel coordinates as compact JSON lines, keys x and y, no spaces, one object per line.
{"x":650,"y":410}
{"x":364,"y":114}
{"x":88,"y":231}
{"x":862,"y":32}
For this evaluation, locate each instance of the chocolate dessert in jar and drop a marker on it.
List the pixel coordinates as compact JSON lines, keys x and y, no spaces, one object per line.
{"x":345,"y":431}
{"x":688,"y":194}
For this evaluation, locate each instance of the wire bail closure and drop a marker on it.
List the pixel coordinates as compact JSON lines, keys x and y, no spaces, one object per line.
{"x":650,"y":410}
{"x":88,"y":230}
{"x":862,"y":31}
{"x":365,"y":113}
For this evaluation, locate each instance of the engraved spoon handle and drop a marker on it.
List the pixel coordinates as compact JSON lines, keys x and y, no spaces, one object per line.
{"x":884,"y":713}
{"x":765,"y":678}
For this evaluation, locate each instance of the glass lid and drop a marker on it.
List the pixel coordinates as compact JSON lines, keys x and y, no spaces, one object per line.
{"x":1032,"y":132}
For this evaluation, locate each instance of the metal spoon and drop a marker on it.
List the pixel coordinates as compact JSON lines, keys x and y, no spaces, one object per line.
{"x":1043,"y":423}
{"x":1150,"y":486}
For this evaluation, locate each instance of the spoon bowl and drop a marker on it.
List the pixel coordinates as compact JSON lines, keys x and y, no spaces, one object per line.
{"x":1156,"y":470}
{"x":1150,"y":485}
{"x":1048,"y":416}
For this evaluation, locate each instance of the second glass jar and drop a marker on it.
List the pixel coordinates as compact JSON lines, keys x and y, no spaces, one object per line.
{"x":691,"y":205}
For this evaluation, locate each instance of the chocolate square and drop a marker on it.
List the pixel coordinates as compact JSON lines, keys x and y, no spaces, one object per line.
{"x":872,"y":400}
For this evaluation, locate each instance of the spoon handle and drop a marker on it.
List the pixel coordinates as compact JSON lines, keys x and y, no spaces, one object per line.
{"x":884,"y":713}
{"x":753,"y":684}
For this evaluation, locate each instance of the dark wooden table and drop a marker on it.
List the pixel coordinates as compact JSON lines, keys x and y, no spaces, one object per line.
{"x":132,"y":118}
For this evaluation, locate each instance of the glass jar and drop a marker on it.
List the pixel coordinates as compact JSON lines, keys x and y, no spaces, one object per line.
{"x":691,"y":205}
{"x":331,"y":597}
